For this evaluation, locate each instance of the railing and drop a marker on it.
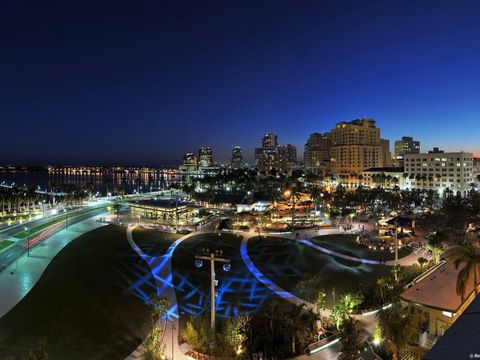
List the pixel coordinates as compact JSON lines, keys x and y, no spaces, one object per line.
{"x":322,"y":344}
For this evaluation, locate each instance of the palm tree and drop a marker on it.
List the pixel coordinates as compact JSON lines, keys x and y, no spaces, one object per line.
{"x":299,"y":322}
{"x":399,"y":327}
{"x":382,"y":283}
{"x":350,"y":338}
{"x":469,"y":255}
{"x":293,"y":196}
{"x":315,"y":195}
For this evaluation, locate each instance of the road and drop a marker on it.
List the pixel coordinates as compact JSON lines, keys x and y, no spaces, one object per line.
{"x":13,"y":252}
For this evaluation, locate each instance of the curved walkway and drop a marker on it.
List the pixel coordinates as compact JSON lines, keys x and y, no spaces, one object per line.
{"x":367,"y":320}
{"x":161,"y":268}
{"x":337,"y":254}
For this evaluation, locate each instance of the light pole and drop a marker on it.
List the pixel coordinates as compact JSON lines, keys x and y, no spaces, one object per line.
{"x":66,"y":218}
{"x":28,"y":241}
{"x":213,"y":257}
{"x":173,"y":348}
{"x":176,"y":212}
{"x":396,"y":249}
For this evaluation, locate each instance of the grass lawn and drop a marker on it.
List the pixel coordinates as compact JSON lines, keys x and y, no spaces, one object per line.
{"x":5,"y":243}
{"x":239,"y":292}
{"x":303,"y":270}
{"x":84,"y":305}
{"x":152,"y":242}
{"x":347,"y":244}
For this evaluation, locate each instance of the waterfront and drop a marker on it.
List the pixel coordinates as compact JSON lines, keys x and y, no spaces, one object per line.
{"x":103,"y":182}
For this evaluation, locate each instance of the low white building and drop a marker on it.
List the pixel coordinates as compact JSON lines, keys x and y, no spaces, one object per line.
{"x":386,"y":177}
{"x":438,"y":170}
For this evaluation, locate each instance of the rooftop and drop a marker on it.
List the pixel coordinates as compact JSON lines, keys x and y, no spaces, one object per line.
{"x":459,"y":339}
{"x":162,"y":203}
{"x":438,"y":290}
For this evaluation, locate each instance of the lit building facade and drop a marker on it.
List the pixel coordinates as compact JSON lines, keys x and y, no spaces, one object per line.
{"x":438,"y":170}
{"x":405,"y":146}
{"x":385,"y":177}
{"x":289,"y":152}
{"x":356,"y":146}
{"x":205,"y":156}
{"x":189,"y":163}
{"x":267,"y":157}
{"x":166,"y":211}
{"x":317,"y":153}
{"x":386,"y":158}
{"x":271,"y":161}
{"x":237,"y":157}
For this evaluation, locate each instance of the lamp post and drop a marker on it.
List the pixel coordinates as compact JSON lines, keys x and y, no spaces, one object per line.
{"x":66,"y":218}
{"x":28,"y":241}
{"x":173,"y":348}
{"x":213,"y":257}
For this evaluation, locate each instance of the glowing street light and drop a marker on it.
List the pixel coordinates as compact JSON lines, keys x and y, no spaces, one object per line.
{"x":28,"y":241}
{"x":213,"y":257}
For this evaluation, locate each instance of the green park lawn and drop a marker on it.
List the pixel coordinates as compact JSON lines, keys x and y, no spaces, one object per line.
{"x":304,"y":271}
{"x":82,"y":306}
{"x":5,"y":243}
{"x":347,"y":244}
{"x":152,"y":242}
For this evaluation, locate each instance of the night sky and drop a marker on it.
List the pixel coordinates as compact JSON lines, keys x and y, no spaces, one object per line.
{"x":139,"y":82}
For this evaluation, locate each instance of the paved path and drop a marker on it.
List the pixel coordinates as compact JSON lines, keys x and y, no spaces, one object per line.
{"x":161,"y":268}
{"x":20,"y":276}
{"x":367,"y":322}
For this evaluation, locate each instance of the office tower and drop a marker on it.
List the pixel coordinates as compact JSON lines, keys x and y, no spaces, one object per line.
{"x":405,"y":146}
{"x":386,"y":158}
{"x":189,"y":162}
{"x":237,"y":157}
{"x":205,"y":157}
{"x":289,"y":152}
{"x":317,"y":153}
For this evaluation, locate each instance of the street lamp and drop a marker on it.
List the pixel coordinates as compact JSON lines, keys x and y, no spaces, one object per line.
{"x":66,"y":218}
{"x":213,"y":257}
{"x":28,"y":241}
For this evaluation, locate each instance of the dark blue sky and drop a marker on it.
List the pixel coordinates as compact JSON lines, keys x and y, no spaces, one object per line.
{"x":144,"y":82}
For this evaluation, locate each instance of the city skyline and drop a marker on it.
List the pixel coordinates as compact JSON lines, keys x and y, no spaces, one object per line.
{"x":95,"y":90}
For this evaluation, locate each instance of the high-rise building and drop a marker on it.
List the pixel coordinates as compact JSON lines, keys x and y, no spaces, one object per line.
{"x":438,"y":170}
{"x":405,"y":146}
{"x":289,"y":152}
{"x":205,"y":157}
{"x":271,"y":161}
{"x":237,"y":157}
{"x":270,"y":140}
{"x":317,"y":153}
{"x":386,"y":159}
{"x":267,"y":157}
{"x":356,"y":146}
{"x":189,"y":162}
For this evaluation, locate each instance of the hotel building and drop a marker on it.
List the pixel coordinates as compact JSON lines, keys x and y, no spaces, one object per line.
{"x":438,"y":170}
{"x":356,"y":146}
